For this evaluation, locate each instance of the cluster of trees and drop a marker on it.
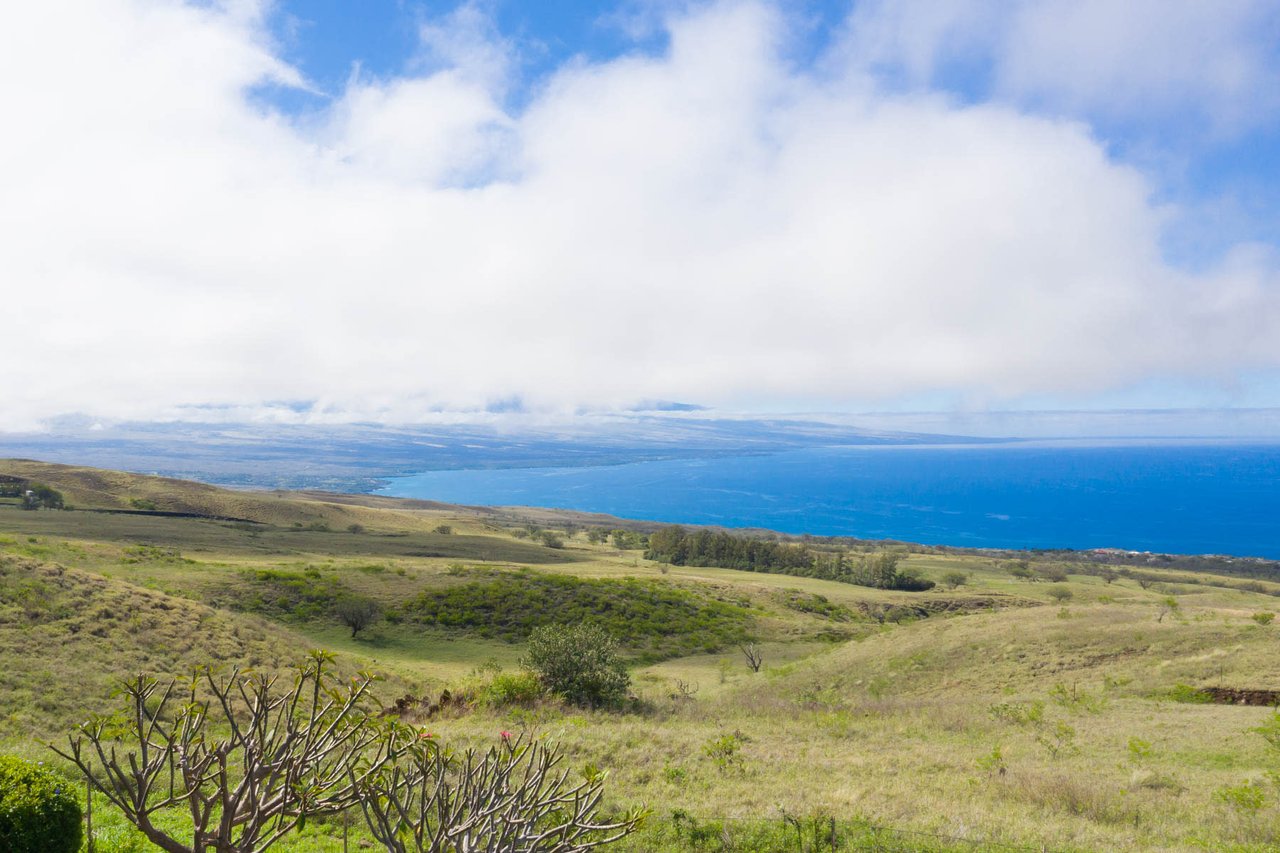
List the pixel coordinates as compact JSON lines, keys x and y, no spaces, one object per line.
{"x":34,"y":495}
{"x":251,"y":757}
{"x":680,"y":547}
{"x":623,"y":540}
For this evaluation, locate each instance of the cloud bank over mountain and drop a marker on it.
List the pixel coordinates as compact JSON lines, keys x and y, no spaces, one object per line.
{"x":717,"y":223}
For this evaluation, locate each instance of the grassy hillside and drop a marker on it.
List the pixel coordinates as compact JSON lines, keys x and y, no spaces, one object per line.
{"x":1021,"y":704}
{"x":68,"y":636}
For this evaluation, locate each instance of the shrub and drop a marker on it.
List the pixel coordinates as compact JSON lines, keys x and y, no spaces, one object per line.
{"x":514,"y":688}
{"x":1248,"y":798}
{"x":1019,"y":713}
{"x":955,"y":579}
{"x":1189,"y":694}
{"x":1263,"y":617}
{"x":38,"y":812}
{"x":1019,"y":569}
{"x":724,"y":751}
{"x":579,"y":663}
{"x":550,"y":539}
{"x":357,"y":613}
{"x":1060,"y":593}
{"x":1053,"y":573}
{"x":444,"y":529}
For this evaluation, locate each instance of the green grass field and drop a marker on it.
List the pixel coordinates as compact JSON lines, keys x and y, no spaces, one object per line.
{"x":1005,"y":712}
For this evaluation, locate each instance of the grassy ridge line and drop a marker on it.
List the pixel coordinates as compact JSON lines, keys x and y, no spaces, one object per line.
{"x":96,"y":488}
{"x":99,"y":489}
{"x":67,"y":637}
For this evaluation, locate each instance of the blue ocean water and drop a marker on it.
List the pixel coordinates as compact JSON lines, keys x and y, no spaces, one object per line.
{"x":1193,"y":498}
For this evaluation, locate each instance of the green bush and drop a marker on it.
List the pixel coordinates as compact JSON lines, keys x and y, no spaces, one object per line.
{"x":1191,"y":695}
{"x":579,"y":663}
{"x":512,"y":688}
{"x":38,"y":812}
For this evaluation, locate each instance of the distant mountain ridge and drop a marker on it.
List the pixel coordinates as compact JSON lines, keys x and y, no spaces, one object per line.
{"x":358,"y":457}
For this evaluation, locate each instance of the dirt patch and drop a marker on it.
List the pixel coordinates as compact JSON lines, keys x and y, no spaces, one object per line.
{"x":1242,"y":696}
{"x":939,"y":605}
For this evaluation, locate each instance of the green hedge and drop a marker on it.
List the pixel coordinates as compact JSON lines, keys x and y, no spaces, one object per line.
{"x":38,"y":811}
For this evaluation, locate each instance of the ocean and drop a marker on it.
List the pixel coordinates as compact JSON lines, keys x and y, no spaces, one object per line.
{"x":1163,"y":496}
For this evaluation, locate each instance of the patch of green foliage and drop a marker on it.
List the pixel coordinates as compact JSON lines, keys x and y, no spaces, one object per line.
{"x":1187,"y":693}
{"x":286,"y":594}
{"x":578,"y":663}
{"x":38,"y":811}
{"x":511,"y":688}
{"x":817,"y":605}
{"x":654,"y":619}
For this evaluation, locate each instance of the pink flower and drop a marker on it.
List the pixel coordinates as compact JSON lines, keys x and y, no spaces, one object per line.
{"x":426,"y":734}
{"x":506,"y":735}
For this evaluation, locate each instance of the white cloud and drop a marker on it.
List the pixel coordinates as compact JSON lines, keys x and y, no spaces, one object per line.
{"x":1215,"y":63}
{"x":711,"y":225}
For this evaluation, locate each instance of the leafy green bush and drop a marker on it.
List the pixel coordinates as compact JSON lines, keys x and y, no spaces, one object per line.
{"x":1187,"y":693}
{"x":1060,"y":593}
{"x":579,"y":663}
{"x":1019,"y":713}
{"x":512,"y":688}
{"x":1263,"y":617}
{"x":38,"y":812}
{"x":724,"y":751}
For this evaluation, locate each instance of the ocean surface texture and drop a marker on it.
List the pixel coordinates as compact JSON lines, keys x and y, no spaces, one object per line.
{"x":1169,"y":497}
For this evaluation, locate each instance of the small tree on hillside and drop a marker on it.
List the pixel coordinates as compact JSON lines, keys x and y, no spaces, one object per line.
{"x":1052,"y":573}
{"x":955,"y":579}
{"x":754,"y":655}
{"x":357,"y":613}
{"x":1060,"y":594}
{"x":580,"y":663}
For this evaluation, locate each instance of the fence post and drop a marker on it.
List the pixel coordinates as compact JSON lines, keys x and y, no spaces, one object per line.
{"x":88,"y":812}
{"x":833,"y":834}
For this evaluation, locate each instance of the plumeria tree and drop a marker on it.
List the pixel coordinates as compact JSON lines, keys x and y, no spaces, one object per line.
{"x":248,"y":756}
{"x":513,"y":798}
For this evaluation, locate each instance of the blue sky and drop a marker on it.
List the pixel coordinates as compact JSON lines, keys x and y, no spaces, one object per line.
{"x":388,"y":210}
{"x":1228,"y":180}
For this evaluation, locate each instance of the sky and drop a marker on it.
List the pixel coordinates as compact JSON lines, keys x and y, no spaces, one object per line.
{"x":387,"y":209}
